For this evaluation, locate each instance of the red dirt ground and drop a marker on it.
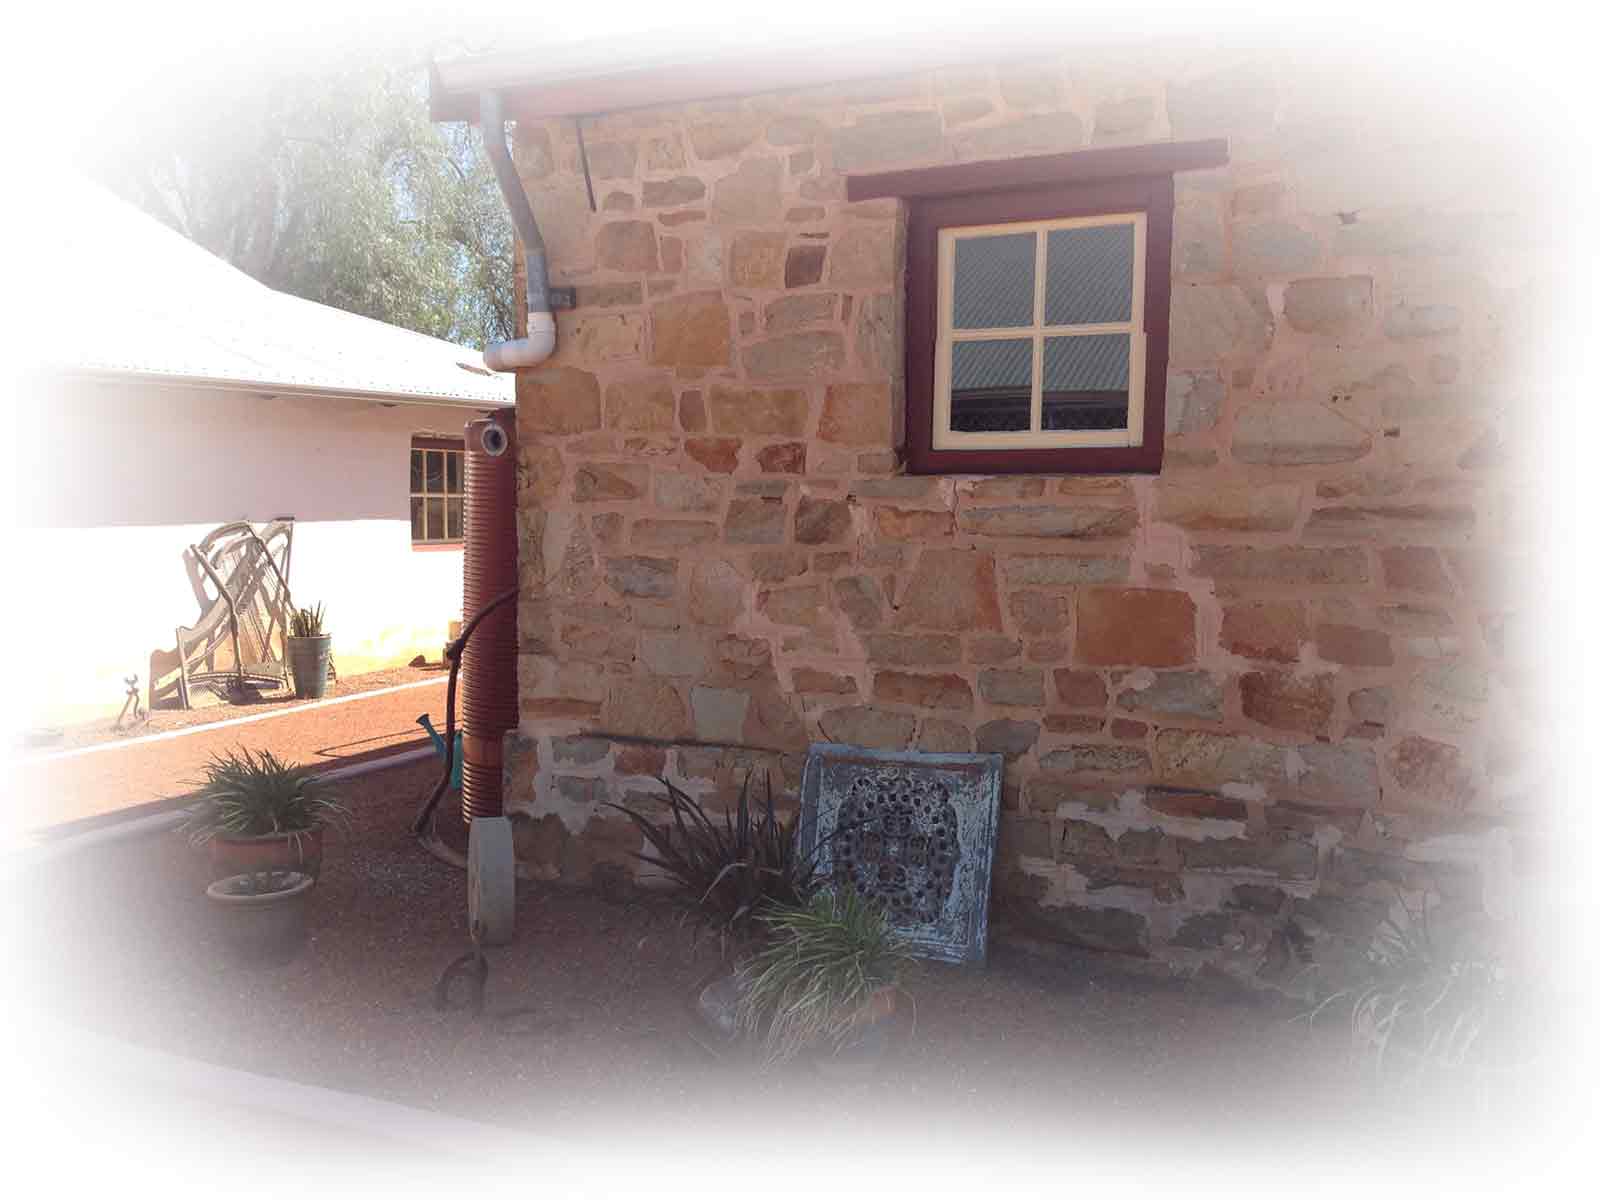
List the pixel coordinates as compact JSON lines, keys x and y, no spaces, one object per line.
{"x":48,"y":790}
{"x":586,"y":1029}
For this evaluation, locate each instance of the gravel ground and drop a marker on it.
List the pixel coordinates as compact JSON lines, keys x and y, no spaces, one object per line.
{"x":587,"y":1019}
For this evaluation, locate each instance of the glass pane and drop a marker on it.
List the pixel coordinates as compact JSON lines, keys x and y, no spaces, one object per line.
{"x":1086,"y":382}
{"x":452,"y":510}
{"x":435,"y":471}
{"x":435,"y":519}
{"x":1089,"y":275}
{"x":994,"y":281}
{"x":991,"y":385}
{"x":452,"y":470}
{"x":416,"y":470}
{"x":417,"y":532}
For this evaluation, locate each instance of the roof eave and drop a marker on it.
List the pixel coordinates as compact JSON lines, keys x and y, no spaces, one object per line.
{"x":280,"y":387}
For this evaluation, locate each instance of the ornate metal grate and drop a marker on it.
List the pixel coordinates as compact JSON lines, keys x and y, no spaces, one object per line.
{"x":914,"y":832}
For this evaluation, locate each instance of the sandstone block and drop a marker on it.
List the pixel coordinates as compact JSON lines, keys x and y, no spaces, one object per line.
{"x":818,"y":522}
{"x":751,"y":195}
{"x":1274,"y":248}
{"x":648,"y":578}
{"x":681,"y":491}
{"x":754,"y":411}
{"x":789,"y":313}
{"x":864,"y":257}
{"x":640,"y":405}
{"x":802,"y":266}
{"x":903,"y":650}
{"x":755,"y":520}
{"x":913,"y":524}
{"x":756,"y":260}
{"x":627,"y":246}
{"x":1294,"y":433}
{"x":1049,"y":521}
{"x":716,"y":593}
{"x":1335,"y":776}
{"x":1123,"y":120}
{"x":1284,"y":564}
{"x":719,"y":455}
{"x":1285,"y":701}
{"x":856,"y":414}
{"x":646,"y":706}
{"x":865,"y":725}
{"x":719,"y":713}
{"x":952,"y":589}
{"x":671,"y":193}
{"x":1061,"y":570}
{"x":1194,"y":399}
{"x":1146,"y":627}
{"x":1007,"y":737}
{"x":691,"y":330}
{"x":558,"y":400}
{"x":1096,"y":759}
{"x":802,"y":355}
{"x":783,"y":458}
{"x":1080,"y":689}
{"x":1213,"y":760}
{"x":654,"y":533}
{"x":1414,"y":569}
{"x":610,"y":481}
{"x":1044,"y":133}
{"x":923,"y":691}
{"x":1210,"y":321}
{"x":943,"y":737}
{"x":885,"y":139}
{"x":1353,"y":646}
{"x":1201,"y":507}
{"x":807,"y":679}
{"x":1334,"y":306}
{"x":1022,"y":688}
{"x":804,"y":605}
{"x":1432,"y":773}
{"x":1040,"y":612}
{"x":1195,"y":694}
{"x":1268,"y":629}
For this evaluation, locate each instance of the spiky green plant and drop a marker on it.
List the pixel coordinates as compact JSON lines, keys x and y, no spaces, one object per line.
{"x":306,"y":622}
{"x":252,"y":793}
{"x":822,"y":962}
{"x":1421,"y":1006}
{"x":727,"y":869}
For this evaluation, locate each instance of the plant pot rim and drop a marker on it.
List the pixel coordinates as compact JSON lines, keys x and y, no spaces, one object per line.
{"x":316,"y":637}
{"x":218,"y":893}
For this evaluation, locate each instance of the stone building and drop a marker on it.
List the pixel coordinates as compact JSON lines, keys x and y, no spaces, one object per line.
{"x":1250,"y":666}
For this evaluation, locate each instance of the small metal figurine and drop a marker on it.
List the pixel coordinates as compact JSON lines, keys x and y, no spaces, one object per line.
{"x":138,"y":716}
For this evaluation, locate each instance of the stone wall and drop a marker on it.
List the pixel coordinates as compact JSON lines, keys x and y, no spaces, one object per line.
{"x":1239,"y":701}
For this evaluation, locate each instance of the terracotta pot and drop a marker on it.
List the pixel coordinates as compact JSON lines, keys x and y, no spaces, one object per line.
{"x":268,"y":852}
{"x":262,"y":928}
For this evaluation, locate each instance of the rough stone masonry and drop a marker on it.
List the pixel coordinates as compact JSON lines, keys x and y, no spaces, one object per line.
{"x":1241,"y":702}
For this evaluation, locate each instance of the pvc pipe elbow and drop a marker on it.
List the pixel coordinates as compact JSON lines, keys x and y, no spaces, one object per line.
{"x":529,"y":351}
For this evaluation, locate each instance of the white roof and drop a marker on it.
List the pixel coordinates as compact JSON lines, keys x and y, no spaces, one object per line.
{"x":136,"y":299}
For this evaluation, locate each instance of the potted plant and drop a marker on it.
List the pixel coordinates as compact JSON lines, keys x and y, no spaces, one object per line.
{"x":307,"y":649}
{"x":826,"y":982}
{"x":260,"y":813}
{"x":262,"y":914}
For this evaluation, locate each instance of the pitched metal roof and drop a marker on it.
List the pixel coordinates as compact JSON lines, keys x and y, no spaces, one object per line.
{"x":124,"y":296}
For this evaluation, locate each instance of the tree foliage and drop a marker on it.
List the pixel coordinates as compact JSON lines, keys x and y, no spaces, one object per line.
{"x":326,"y":179}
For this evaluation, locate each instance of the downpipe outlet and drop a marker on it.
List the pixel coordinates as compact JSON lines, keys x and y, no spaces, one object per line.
{"x":540,"y":341}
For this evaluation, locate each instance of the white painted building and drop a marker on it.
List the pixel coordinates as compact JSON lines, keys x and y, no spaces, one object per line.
{"x":197,"y":396}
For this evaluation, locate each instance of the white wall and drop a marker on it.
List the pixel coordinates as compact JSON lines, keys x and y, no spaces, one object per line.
{"x":128,"y":476}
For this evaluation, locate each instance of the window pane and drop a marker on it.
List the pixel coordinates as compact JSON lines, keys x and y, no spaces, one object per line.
{"x":452,"y":470}
{"x":994,"y":281}
{"x":1089,"y":275}
{"x":417,"y":532}
{"x":435,"y":519}
{"x":991,"y":385}
{"x":435,"y":471}
{"x":416,"y":470}
{"x":452,"y":509}
{"x":1086,"y":382}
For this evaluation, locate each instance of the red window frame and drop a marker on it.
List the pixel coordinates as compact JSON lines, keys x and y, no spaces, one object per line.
{"x":1082,"y":184}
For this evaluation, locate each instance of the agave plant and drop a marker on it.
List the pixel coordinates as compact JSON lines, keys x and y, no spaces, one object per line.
{"x":727,"y":868}
{"x":254,"y":793}
{"x":822,"y":964}
{"x":306,"y":622}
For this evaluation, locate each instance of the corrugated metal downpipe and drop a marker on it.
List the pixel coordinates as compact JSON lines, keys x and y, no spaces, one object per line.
{"x":489,"y":661}
{"x":540,"y":342}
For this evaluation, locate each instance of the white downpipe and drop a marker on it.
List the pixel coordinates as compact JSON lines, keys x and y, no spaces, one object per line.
{"x":529,"y":351}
